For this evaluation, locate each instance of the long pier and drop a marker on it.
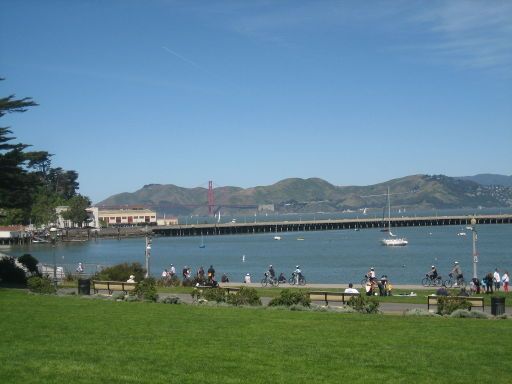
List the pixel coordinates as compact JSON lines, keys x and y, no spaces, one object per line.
{"x":324,"y":225}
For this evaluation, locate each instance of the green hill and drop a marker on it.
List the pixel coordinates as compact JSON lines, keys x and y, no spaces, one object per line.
{"x":314,"y":195}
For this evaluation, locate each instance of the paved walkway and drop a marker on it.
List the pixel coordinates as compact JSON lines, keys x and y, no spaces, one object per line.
{"x":388,"y":308}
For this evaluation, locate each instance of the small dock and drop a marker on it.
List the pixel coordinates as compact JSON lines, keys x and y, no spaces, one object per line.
{"x":324,"y":225}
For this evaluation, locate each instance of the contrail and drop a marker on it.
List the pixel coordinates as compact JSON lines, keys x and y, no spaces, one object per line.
{"x":182,"y":58}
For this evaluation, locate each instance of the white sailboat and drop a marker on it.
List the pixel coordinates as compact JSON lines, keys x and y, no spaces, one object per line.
{"x":392,"y":240}
{"x":202,"y":242}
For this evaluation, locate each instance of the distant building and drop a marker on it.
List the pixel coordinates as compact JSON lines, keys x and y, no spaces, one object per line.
{"x":167,"y":221}
{"x":266,"y":208}
{"x":12,"y":233}
{"x":92,"y":220}
{"x":127,"y":216}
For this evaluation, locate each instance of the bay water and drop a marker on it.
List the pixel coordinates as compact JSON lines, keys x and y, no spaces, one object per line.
{"x":324,"y":256}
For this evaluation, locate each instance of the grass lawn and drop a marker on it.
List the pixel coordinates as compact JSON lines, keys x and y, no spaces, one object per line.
{"x":50,"y":339}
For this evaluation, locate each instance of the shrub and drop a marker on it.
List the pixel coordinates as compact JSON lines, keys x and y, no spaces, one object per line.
{"x":245,"y":296}
{"x":10,"y":273}
{"x":30,"y":262}
{"x":448,"y":304}
{"x":121,"y":272}
{"x":287,"y":298}
{"x":419,"y":312}
{"x":146,"y":289}
{"x":362,"y":304}
{"x":214,"y":294}
{"x":173,"y":281}
{"x":188,"y":283}
{"x":42,"y":285}
{"x":463,"y":313}
{"x":171,"y":300}
{"x":118,"y":296}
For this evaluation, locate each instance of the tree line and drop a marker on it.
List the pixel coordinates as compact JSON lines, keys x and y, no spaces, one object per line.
{"x":30,"y":188}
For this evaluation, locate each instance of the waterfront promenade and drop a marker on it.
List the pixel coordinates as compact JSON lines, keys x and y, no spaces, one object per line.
{"x":392,"y":308}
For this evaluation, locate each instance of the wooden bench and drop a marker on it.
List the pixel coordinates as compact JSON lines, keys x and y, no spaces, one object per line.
{"x":340,"y":297}
{"x":112,"y":286}
{"x":473,"y":300}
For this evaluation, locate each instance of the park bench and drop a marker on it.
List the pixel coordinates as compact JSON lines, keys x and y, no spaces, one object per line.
{"x":112,"y":286}
{"x":340,"y":297}
{"x":473,"y":300}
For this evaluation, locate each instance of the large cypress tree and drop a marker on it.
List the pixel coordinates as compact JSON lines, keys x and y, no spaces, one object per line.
{"x":29,"y":187}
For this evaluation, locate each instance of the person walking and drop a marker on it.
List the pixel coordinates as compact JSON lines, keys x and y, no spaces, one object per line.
{"x":506,"y":279}
{"x":497,"y":280}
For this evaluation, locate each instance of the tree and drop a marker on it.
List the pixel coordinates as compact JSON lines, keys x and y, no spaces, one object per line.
{"x":29,"y":186}
{"x":43,"y":208}
{"x":16,"y":184}
{"x":76,"y":212}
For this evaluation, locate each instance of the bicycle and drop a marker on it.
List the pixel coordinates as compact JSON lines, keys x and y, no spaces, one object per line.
{"x":268,"y":280}
{"x":429,"y":281}
{"x":460,"y":283}
{"x":292,"y":281}
{"x":367,"y":279}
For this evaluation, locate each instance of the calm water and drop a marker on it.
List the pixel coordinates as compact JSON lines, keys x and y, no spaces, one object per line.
{"x":325,"y":256}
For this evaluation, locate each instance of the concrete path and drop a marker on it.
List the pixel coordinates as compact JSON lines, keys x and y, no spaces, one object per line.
{"x":388,"y":308}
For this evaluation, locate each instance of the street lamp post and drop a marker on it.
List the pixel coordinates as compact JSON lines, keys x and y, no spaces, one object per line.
{"x":53,"y":234}
{"x":475,"y":253}
{"x":148,"y":252}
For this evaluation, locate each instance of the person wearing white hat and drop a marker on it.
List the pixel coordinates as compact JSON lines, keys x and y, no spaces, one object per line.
{"x":131,"y":279}
{"x":456,"y":272}
{"x":247,"y":278}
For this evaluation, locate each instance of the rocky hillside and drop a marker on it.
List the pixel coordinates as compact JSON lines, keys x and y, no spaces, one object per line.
{"x":314,"y":195}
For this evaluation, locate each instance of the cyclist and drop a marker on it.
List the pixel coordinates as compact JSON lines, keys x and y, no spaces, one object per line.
{"x":271,"y":272}
{"x":433,"y":273}
{"x":297,"y":274}
{"x":371,"y":274}
{"x":456,"y":272}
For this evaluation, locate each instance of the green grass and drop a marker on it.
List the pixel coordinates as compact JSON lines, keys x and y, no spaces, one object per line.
{"x":49,"y":339}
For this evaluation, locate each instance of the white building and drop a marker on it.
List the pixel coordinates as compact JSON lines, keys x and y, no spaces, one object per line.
{"x":127,"y":216}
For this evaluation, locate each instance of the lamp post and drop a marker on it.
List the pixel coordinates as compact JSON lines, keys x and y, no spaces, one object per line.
{"x":148,"y":252}
{"x":53,"y":234}
{"x":475,"y":253}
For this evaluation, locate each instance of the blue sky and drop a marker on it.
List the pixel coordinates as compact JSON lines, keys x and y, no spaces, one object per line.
{"x":247,"y":93}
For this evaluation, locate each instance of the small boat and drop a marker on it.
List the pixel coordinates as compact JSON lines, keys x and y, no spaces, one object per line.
{"x":277,"y":237}
{"x":461,"y":233}
{"x":300,"y":238}
{"x":202,"y":243}
{"x":392,"y":240}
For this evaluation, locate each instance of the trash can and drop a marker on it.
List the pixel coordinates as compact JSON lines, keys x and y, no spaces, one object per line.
{"x":84,"y":286}
{"x":497,"y":306}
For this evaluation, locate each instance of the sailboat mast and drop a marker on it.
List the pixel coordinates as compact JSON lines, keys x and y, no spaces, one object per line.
{"x":389,"y":213}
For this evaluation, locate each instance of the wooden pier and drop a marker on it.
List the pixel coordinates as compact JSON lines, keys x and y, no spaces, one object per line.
{"x":324,"y":225}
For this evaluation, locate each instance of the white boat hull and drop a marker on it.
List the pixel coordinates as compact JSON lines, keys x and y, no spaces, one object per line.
{"x":395,"y":242}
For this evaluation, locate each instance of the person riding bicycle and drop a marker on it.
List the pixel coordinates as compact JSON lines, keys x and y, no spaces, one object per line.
{"x":433,"y":273}
{"x":456,"y":272}
{"x":271,"y":272}
{"x":371,"y":275}
{"x":297,"y":274}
